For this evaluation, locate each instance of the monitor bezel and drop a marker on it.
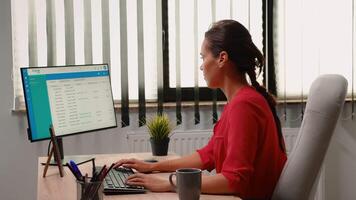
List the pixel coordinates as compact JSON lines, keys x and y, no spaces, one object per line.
{"x":76,"y":133}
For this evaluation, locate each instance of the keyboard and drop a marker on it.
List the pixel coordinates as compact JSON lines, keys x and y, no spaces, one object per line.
{"x":114,"y":182}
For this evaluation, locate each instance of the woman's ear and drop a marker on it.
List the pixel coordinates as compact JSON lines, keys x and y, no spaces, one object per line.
{"x":223,"y":58}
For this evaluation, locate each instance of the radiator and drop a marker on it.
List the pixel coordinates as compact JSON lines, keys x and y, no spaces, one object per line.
{"x":186,"y":142}
{"x":181,"y":143}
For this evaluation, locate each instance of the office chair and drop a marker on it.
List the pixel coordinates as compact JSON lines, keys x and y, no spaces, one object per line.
{"x":324,"y":104}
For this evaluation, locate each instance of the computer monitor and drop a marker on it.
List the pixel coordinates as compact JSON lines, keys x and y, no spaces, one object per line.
{"x":74,"y":99}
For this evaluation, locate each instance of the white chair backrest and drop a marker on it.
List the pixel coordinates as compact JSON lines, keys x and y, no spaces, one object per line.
{"x":324,"y":104}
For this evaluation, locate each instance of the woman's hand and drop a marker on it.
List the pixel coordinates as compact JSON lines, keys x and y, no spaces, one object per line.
{"x":138,"y":165}
{"x":153,"y":182}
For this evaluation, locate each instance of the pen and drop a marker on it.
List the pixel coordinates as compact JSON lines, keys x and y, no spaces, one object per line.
{"x":86,"y":178}
{"x":112,"y":165}
{"x":76,"y":169}
{"x":98,"y":175}
{"x":87,"y":187}
{"x":101,"y":178}
{"x":71,"y":169}
{"x":94,"y":168}
{"x":93,"y":178}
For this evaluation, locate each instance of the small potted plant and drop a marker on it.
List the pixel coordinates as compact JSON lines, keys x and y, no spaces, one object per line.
{"x":159,"y":128}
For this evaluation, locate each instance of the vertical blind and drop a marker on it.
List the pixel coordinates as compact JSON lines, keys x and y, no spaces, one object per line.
{"x":128,"y":35}
{"x":187,"y":22}
{"x":181,"y":31}
{"x":313,"y":37}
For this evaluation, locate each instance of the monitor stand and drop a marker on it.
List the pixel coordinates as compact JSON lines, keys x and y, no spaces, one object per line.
{"x":78,"y":159}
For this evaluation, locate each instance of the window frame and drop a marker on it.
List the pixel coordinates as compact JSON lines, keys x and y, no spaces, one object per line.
{"x":205,"y":93}
{"x":169,"y":93}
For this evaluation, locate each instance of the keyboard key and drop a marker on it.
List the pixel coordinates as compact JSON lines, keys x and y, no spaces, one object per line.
{"x":114,"y":181}
{"x":123,"y":180}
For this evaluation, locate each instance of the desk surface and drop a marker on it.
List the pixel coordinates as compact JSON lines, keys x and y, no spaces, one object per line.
{"x":54,"y":187}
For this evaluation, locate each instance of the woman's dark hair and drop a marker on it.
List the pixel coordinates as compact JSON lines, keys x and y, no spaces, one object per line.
{"x":234,"y":38}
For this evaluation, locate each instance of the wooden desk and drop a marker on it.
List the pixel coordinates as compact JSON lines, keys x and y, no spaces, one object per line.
{"x":54,"y":187}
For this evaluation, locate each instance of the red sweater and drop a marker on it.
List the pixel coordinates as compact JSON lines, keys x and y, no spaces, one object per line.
{"x":245,"y":146}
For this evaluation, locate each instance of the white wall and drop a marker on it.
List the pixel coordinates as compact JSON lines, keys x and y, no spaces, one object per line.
{"x":18,"y":157}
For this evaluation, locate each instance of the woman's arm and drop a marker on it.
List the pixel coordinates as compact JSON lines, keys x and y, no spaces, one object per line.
{"x":189,"y":161}
{"x":192,"y":161}
{"x":215,"y":184}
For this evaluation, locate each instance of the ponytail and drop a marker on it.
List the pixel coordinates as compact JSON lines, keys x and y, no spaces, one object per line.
{"x":272,"y":105}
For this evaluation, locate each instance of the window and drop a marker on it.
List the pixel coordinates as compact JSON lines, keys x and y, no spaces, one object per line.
{"x":186,"y":23}
{"x":313,"y":37}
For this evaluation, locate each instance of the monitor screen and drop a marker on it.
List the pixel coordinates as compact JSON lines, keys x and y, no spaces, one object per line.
{"x":74,"y":99}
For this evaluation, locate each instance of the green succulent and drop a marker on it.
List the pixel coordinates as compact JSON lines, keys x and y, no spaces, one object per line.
{"x":159,"y":127}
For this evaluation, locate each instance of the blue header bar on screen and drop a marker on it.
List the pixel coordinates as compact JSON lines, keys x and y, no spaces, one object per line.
{"x":72,"y":75}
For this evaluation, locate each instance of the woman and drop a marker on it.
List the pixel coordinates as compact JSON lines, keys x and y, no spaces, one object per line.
{"x":247,"y":148}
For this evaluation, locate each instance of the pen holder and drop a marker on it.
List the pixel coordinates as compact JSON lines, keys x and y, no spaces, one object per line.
{"x":87,"y":190}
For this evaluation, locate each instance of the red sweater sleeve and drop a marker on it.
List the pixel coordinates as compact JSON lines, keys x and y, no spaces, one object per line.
{"x":207,"y":154}
{"x":242,"y":145}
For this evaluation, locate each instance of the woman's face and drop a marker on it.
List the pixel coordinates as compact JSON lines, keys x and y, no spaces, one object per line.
{"x":210,"y":67}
